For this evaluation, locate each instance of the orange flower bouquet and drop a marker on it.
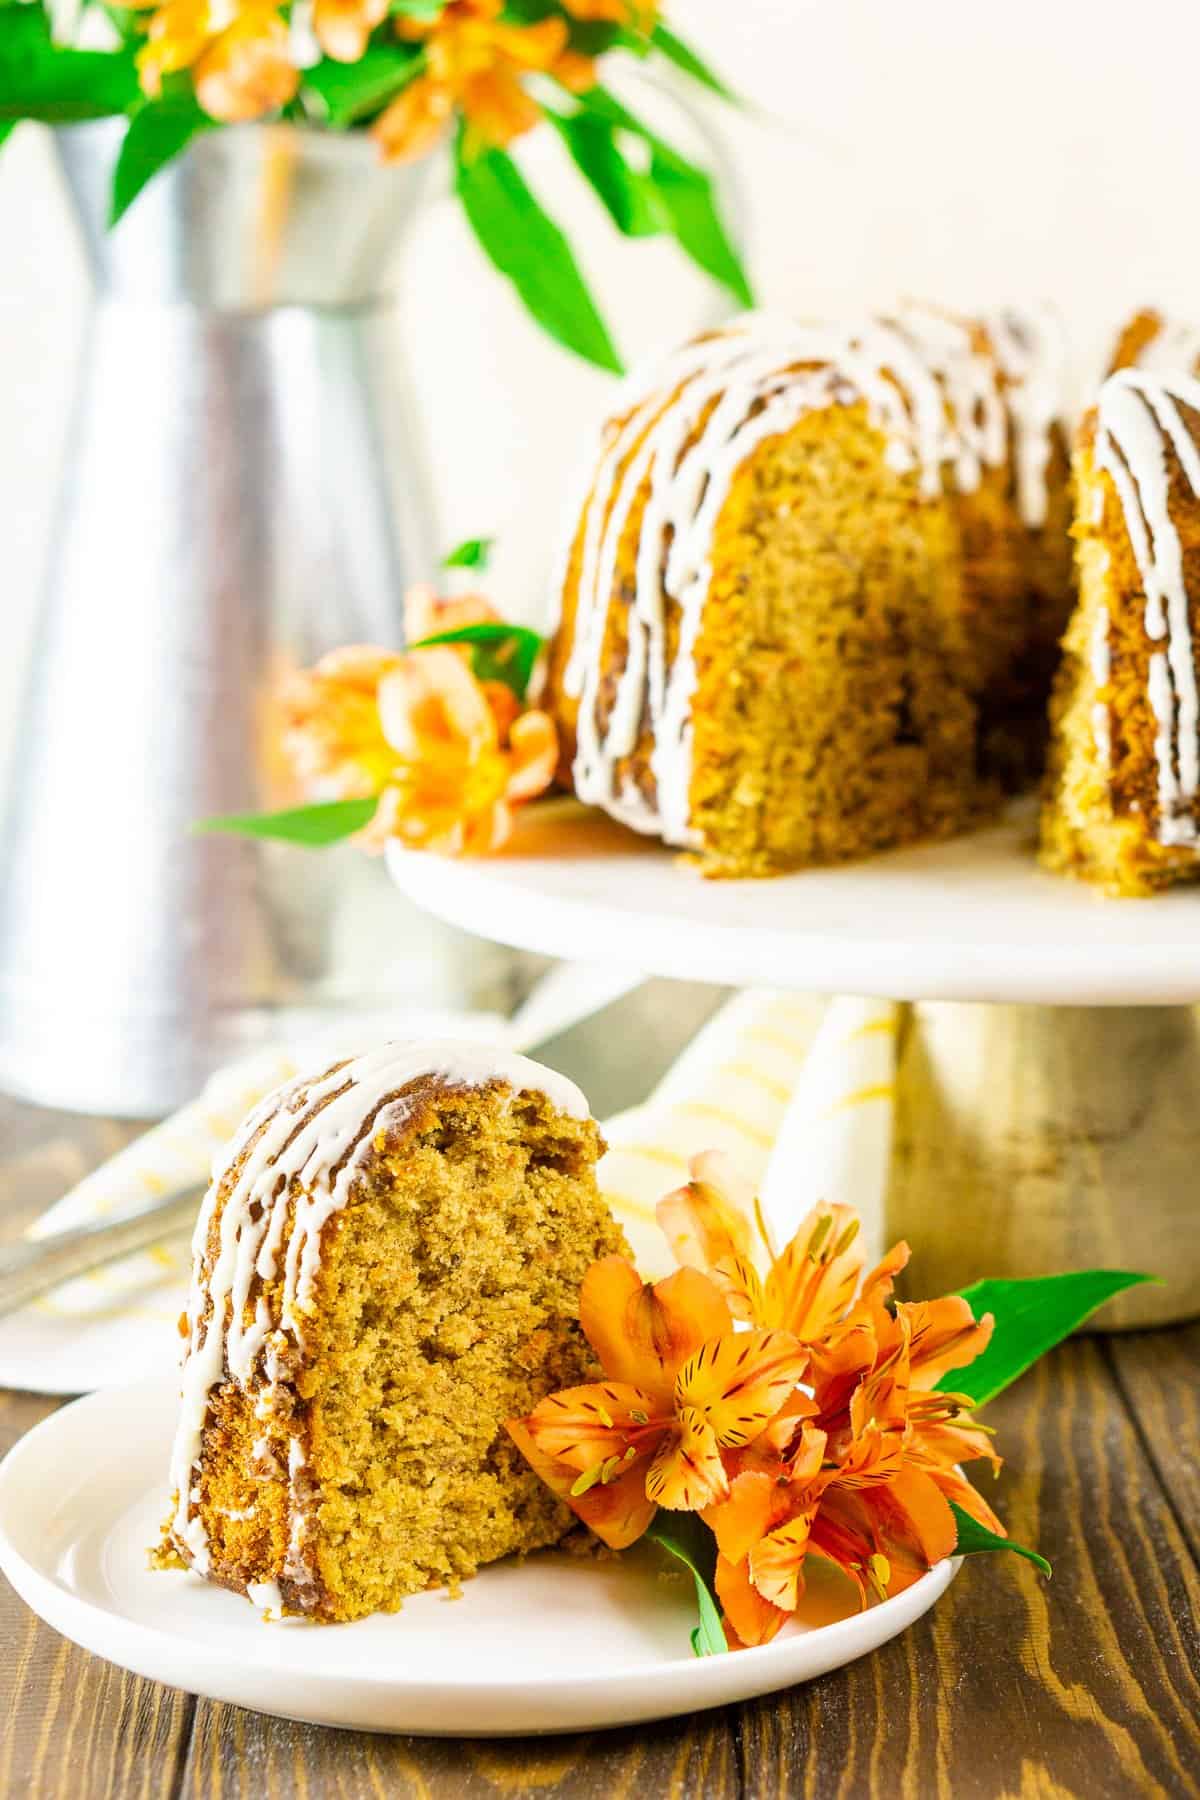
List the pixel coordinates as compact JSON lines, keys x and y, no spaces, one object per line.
{"x":472,"y":74}
{"x":759,"y":1408}
{"x":435,"y":746}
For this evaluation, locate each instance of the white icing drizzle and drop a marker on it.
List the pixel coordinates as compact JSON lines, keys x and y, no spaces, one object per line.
{"x":1138,"y":416}
{"x":1031,"y":350}
{"x":683,"y":433}
{"x":303,"y":1147}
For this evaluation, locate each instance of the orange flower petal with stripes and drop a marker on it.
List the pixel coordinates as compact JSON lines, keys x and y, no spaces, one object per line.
{"x":943,"y":1432}
{"x":943,"y":1335}
{"x":755,"y":1505}
{"x":643,"y":1333}
{"x":837,"y":1366}
{"x":738,"y":1383}
{"x":750,"y":1618}
{"x":687,"y":1473}
{"x":913,"y":1525}
{"x":776,"y":1563}
{"x":876,"y":1289}
{"x":587,"y":1427}
{"x":707,"y":1226}
{"x":616,"y":1510}
{"x":810,"y":1288}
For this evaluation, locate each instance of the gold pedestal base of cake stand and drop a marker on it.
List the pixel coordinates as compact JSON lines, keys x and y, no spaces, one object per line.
{"x":1031,"y":1139}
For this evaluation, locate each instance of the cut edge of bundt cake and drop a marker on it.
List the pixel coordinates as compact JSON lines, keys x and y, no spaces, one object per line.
{"x":386,"y":1267}
{"x":779,"y":512}
{"x":1121,"y":805}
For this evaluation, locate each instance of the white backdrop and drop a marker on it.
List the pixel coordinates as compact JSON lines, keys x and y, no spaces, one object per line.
{"x":946,"y":148}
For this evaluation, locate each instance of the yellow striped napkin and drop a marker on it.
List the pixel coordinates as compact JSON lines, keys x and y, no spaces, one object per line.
{"x":797,"y":1091}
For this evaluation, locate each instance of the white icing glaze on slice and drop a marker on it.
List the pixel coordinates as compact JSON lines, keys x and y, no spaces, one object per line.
{"x":302,"y":1147}
{"x":685,"y":430}
{"x":1138,"y":416}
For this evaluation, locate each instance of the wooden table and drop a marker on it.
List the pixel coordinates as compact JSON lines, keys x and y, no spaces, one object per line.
{"x":1086,"y":1686}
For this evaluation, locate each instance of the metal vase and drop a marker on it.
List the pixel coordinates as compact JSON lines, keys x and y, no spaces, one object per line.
{"x":241,"y":493}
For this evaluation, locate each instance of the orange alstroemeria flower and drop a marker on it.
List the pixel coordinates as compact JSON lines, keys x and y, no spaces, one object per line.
{"x":807,"y":1290}
{"x":862,"y":1467}
{"x":448,"y":756}
{"x":463,"y":756}
{"x":331,"y":733}
{"x":682,"y":1388}
{"x":238,"y":52}
{"x":476,"y":62}
{"x":878,"y":1504}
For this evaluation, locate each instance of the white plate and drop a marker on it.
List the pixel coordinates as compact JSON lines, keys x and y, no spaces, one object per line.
{"x":973,"y":919}
{"x":552,"y":1644}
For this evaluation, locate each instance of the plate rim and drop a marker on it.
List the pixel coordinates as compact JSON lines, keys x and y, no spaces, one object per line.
{"x":86,"y":1621}
{"x":477,"y":896}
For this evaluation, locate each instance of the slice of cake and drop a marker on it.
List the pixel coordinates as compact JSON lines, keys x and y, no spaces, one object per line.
{"x":1122,"y":803}
{"x":814,"y":587}
{"x":386,"y":1267}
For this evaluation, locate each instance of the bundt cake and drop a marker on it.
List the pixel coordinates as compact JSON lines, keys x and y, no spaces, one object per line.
{"x":811,"y":598}
{"x":1150,"y":340}
{"x":386,"y":1267}
{"x":1122,"y":805}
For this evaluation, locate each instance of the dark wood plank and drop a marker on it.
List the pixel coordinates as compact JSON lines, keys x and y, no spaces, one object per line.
{"x":239,"y":1753}
{"x":1087,"y":1685}
{"x":1159,"y":1376}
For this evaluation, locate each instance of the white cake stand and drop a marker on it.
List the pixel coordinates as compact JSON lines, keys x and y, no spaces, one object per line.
{"x":1048,"y":1069}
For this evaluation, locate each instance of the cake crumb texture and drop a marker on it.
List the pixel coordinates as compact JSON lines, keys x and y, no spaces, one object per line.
{"x":1121,"y":806}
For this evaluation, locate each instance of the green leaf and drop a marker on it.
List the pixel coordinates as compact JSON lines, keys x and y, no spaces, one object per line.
{"x":326,"y":823}
{"x":683,"y":196}
{"x":589,"y":37}
{"x":502,"y":652}
{"x":42,"y":80}
{"x":628,"y":197}
{"x":425,"y":10}
{"x":157,"y":132}
{"x":690,"y":201}
{"x":685,"y":58}
{"x":974,"y":1539}
{"x":473,"y":553}
{"x":1032,"y":1315}
{"x":347,"y":93}
{"x":7,"y":127}
{"x":524,"y":243}
{"x":685,"y":1538}
{"x":601,"y":104}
